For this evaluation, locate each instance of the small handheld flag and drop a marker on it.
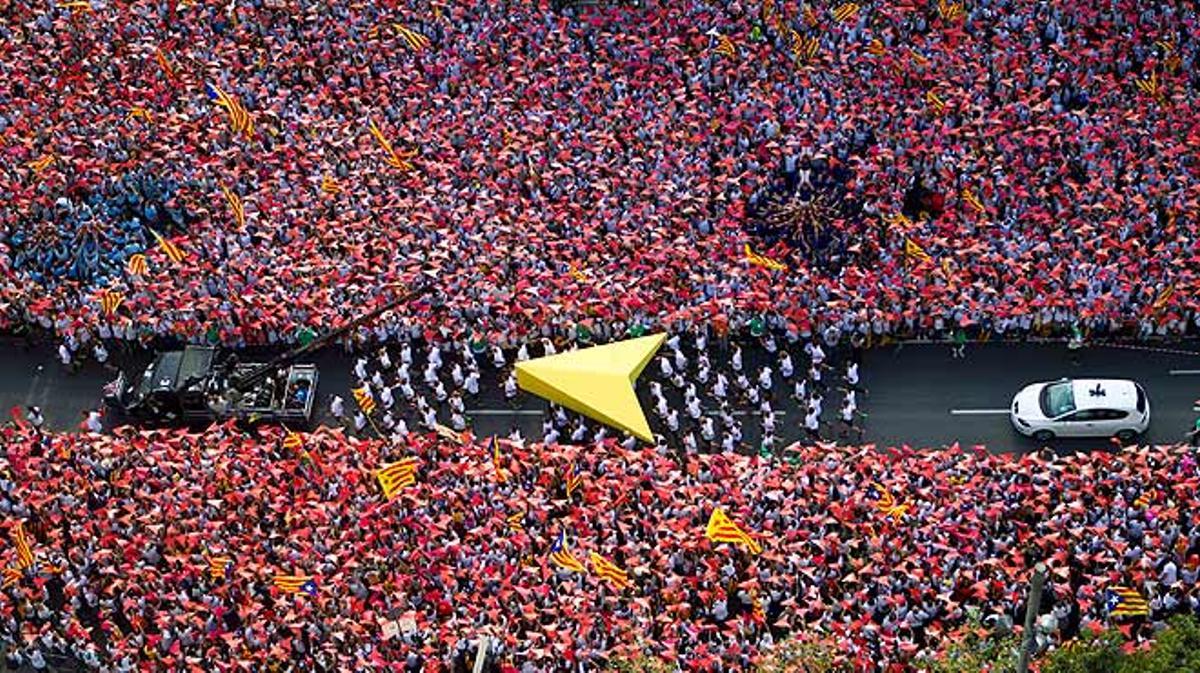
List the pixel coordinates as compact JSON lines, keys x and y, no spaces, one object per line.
{"x":169,"y":249}
{"x":219,"y":567}
{"x":24,"y":551}
{"x":1126,"y":602}
{"x":110,"y":301}
{"x":136,"y":266}
{"x":497,"y":461}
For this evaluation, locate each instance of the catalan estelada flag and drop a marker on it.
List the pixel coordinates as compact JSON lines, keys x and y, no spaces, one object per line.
{"x":294,"y":584}
{"x":886,"y":502}
{"x":725,"y":47}
{"x":110,"y":301}
{"x":239,"y":118}
{"x":763,"y":261}
{"x":561,"y":556}
{"x":722,"y":529}
{"x":397,"y":476}
{"x":169,"y":249}
{"x":609,"y":571}
{"x":364,"y":400}
{"x":1126,"y":602}
{"x":21,"y":542}
{"x":136,"y":266}
{"x":415,"y":41}
{"x":219,"y":567}
{"x":572,"y":479}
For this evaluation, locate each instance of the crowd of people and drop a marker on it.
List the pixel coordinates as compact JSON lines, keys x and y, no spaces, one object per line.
{"x":705,"y":393}
{"x":557,"y":166}
{"x":163,"y":549}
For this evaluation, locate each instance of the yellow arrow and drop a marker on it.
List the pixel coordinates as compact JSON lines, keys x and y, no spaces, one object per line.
{"x":596,"y":382}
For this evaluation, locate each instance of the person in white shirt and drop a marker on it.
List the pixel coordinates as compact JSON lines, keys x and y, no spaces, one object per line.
{"x":458,"y":422}
{"x":814,"y":404}
{"x":337,"y":407}
{"x":629,"y":443}
{"x":548,"y":347}
{"x":727,"y":443}
{"x":360,"y":369}
{"x":516,"y":437}
{"x":680,"y":361}
{"x":377,"y":379}
{"x":439,"y":392}
{"x":689,"y":442}
{"x":510,"y":388}
{"x":471,"y":383}
{"x":498,"y":357}
{"x":385,"y":359}
{"x":703,"y":369}
{"x":65,"y":356}
{"x":551,"y":437}
{"x":456,"y":403}
{"x":800,"y":389}
{"x":430,"y":375}
{"x":579,"y":433}
{"x":522,"y":353}
{"x":719,"y":390}
{"x":100,"y":352}
{"x":429,"y":418}
{"x":406,"y":390}
{"x":665,"y":368}
{"x":736,"y":359}
{"x":93,"y":422}
{"x":852,"y":377}
{"x":401,"y":429}
{"x":786,"y":369}
{"x":848,"y":415}
{"x":764,"y":378}
{"x":360,"y":421}
{"x":693,"y":409}
{"x":768,"y":423}
{"x":406,"y":354}
{"x":812,"y":425}
{"x":435,"y":357}
{"x":660,"y":407}
{"x":456,"y":375}
{"x":708,"y":430}
{"x":673,"y":420}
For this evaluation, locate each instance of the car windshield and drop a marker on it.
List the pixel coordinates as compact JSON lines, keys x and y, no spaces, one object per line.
{"x":1057,"y":399}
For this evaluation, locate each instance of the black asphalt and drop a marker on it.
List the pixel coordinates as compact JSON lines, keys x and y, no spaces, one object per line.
{"x":911,"y":391}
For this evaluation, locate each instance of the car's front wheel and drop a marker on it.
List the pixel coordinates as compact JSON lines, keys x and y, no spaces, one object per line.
{"x":1043,"y":436}
{"x":1126,"y":436}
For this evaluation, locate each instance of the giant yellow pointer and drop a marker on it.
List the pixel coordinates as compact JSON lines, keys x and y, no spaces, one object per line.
{"x":596,"y":382}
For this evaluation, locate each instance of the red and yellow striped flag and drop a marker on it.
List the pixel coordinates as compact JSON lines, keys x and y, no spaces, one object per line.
{"x":11,"y":577}
{"x":294,"y":584}
{"x":763,"y":261}
{"x":293,"y":441}
{"x":169,"y":249}
{"x":497,"y":461}
{"x":561,"y":556}
{"x":139,"y":112}
{"x":1164,"y":297}
{"x":914,"y":253}
{"x":973,"y":201}
{"x":397,"y":476}
{"x":235,"y":205}
{"x":364,"y":400}
{"x":239,"y":118}
{"x":329,"y":185}
{"x":394,"y":159}
{"x":609,"y":571}
{"x":876,"y":48}
{"x":1151,"y":87}
{"x":163,"y":63}
{"x":722,"y":529}
{"x":949,"y":11}
{"x":136,"y":266}
{"x":846,"y":12}
{"x":415,"y":41}
{"x":725,"y":47}
{"x":219,"y":567}
{"x":935,"y":101}
{"x":21,"y":542}
{"x":42,"y":163}
{"x":110,"y":301}
{"x":515,"y":521}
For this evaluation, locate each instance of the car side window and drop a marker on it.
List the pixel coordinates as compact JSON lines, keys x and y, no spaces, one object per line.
{"x":1112,"y":414}
{"x":1083,"y":415}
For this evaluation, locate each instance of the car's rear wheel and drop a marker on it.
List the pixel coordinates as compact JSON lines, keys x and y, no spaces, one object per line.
{"x":1043,"y":435}
{"x":1126,"y":436}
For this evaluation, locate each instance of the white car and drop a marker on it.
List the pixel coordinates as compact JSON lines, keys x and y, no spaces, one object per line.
{"x":1081,"y":408}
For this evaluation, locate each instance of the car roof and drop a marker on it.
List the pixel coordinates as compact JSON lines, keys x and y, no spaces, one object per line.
{"x":1116,"y":393}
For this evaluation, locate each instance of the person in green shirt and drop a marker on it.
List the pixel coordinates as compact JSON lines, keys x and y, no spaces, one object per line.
{"x":1194,"y":435}
{"x":959,"y":349}
{"x":758,"y":326}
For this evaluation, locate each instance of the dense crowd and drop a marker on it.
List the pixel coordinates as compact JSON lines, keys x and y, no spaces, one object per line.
{"x":553,"y":167}
{"x":159,"y":550}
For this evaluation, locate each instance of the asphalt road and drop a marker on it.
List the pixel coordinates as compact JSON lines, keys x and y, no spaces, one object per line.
{"x":912,"y":391}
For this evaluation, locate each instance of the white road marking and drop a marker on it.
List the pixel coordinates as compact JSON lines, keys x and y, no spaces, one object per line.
{"x":1183,"y":372}
{"x":978,"y":412}
{"x":504,"y":412}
